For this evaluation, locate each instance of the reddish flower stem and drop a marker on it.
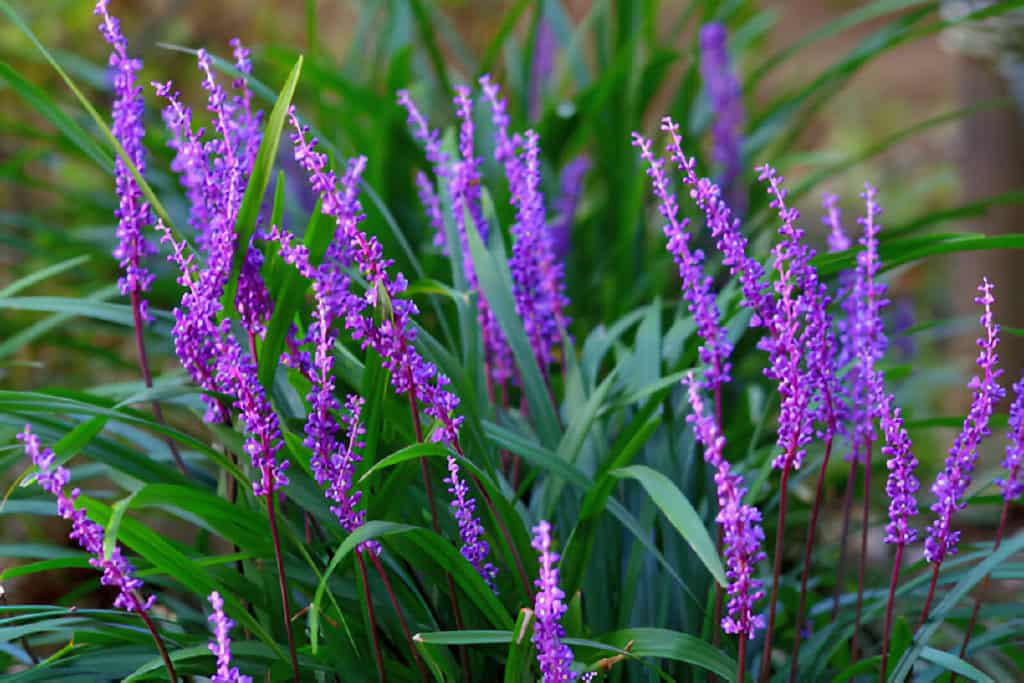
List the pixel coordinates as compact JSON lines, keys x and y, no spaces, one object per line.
{"x":931,"y":596}
{"x":766,"y":658}
{"x":897,"y":561}
{"x":741,"y":659}
{"x":854,"y":650}
{"x":716,"y":626}
{"x":373,"y":619}
{"x":137,"y":606}
{"x":282,"y":579}
{"x":147,"y":377}
{"x":984,"y":585}
{"x":851,"y":479}
{"x":401,"y":618}
{"x":815,"y":509}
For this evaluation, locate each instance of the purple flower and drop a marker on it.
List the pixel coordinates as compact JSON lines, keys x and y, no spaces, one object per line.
{"x":554,"y":656}
{"x":740,"y":524}
{"x":570,"y":191}
{"x":1013,"y":484}
{"x":696,"y":285}
{"x":393,"y":336}
{"x":952,"y":482}
{"x":220,"y":646}
{"x":725,"y":229}
{"x":726,"y":99}
{"x":133,"y":212}
{"x":432,"y":206}
{"x":117,"y":571}
{"x":901,"y":485}
{"x":471,"y":531}
{"x":837,"y":238}
{"x":545,"y":48}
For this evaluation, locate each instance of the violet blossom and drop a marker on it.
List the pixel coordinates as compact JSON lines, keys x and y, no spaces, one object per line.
{"x":133,"y":211}
{"x":570,"y":190}
{"x":952,"y":482}
{"x":554,"y":656}
{"x":726,"y":100}
{"x":117,"y":571}
{"x":740,"y":524}
{"x":220,"y":646}
{"x":471,"y":531}
{"x":1012,"y":484}
{"x":714,"y":352}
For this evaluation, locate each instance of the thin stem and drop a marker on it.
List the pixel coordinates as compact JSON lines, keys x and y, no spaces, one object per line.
{"x":282,"y":580}
{"x":373,"y":619}
{"x":766,"y":664}
{"x":137,"y":606}
{"x":815,"y":509}
{"x":897,"y":561}
{"x":147,"y":377}
{"x":931,"y":596}
{"x":863,"y":549}
{"x":984,"y":584}
{"x":851,"y":479}
{"x":741,"y":659}
{"x":716,"y":626}
{"x":401,"y":618}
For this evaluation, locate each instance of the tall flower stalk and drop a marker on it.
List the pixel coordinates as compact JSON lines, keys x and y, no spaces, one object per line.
{"x":726,"y":99}
{"x":220,"y":646}
{"x":741,"y":527}
{"x":951,"y":483}
{"x":133,"y":212}
{"x":1012,"y":486}
{"x":554,"y":657}
{"x":117,"y":570}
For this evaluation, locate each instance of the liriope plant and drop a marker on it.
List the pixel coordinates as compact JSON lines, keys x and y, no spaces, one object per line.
{"x":312,"y":381}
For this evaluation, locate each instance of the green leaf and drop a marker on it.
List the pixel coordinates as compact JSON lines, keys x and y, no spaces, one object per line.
{"x":951,"y":662}
{"x":680,"y":647}
{"x":520,"y":649}
{"x":245,"y":223}
{"x":680,"y":513}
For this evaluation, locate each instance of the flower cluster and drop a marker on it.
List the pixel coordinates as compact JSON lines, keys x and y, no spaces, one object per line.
{"x":740,"y":524}
{"x":554,"y":656}
{"x":696,"y":285}
{"x":952,"y":482}
{"x":726,"y":100}
{"x":220,"y":646}
{"x":1013,"y":484}
{"x":133,"y":212}
{"x":570,"y":190}
{"x":117,"y":571}
{"x":474,"y":547}
{"x":393,"y":336}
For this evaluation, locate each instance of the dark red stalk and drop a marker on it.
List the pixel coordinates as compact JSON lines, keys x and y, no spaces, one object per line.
{"x":741,"y":659}
{"x":931,"y":596}
{"x":147,"y":377}
{"x":137,"y":606}
{"x":984,"y":583}
{"x":282,"y":580}
{"x":841,"y":569}
{"x":766,"y":664}
{"x":418,"y":430}
{"x":401,"y":618}
{"x":373,"y":620}
{"x":863,"y":549}
{"x":897,"y":561}
{"x":815,"y":509}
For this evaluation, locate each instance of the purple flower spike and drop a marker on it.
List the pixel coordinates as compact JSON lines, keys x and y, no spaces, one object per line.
{"x":725,"y":229}
{"x":133,"y":212}
{"x":117,"y":571}
{"x":471,"y":531}
{"x":901,"y":484}
{"x":1013,"y":484}
{"x":952,"y":482}
{"x":715,"y":351}
{"x":554,"y":656}
{"x":837,"y":237}
{"x":570,"y":191}
{"x":726,"y":98}
{"x":220,"y":646}
{"x":740,"y":524}
{"x":432,"y":206}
